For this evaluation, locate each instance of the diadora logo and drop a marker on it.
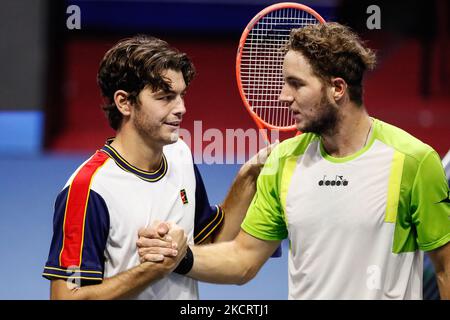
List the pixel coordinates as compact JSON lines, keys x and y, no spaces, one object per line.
{"x":338,"y":181}
{"x":183,"y":196}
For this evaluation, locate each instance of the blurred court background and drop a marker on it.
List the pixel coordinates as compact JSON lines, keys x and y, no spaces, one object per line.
{"x":51,"y":121}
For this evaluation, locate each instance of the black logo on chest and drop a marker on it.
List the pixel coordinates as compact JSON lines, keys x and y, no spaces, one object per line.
{"x":338,"y":181}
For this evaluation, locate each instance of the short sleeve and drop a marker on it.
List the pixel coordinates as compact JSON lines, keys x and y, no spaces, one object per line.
{"x":265,"y":217}
{"x":80,"y":231}
{"x":208,"y":219}
{"x":430,"y":204}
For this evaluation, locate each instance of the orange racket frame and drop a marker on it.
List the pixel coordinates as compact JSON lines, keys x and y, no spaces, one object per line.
{"x":284,"y":5}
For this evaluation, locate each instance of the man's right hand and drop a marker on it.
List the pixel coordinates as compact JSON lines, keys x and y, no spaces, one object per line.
{"x":162,"y":242}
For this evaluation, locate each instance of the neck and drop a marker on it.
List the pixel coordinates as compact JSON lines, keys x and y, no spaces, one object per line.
{"x":350,"y":134}
{"x":138,"y":153}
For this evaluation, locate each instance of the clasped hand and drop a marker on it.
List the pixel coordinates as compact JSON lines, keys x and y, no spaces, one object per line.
{"x":163,"y":242}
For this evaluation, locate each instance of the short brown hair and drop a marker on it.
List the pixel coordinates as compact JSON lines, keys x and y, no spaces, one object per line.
{"x":334,"y":51}
{"x":135,"y":63}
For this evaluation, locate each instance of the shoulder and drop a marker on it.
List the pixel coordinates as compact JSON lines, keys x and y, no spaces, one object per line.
{"x":285,"y":152}
{"x":84,"y":174}
{"x":402,"y":141}
{"x":79,"y":189}
{"x":295,"y":146}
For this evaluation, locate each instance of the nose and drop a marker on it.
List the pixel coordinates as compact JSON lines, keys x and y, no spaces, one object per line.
{"x":286,"y":95}
{"x":180,"y":108}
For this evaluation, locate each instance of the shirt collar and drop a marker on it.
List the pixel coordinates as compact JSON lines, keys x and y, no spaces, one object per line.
{"x":150,"y":176}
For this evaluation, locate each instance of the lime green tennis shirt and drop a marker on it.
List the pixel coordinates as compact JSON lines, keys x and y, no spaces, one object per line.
{"x":357,"y":225}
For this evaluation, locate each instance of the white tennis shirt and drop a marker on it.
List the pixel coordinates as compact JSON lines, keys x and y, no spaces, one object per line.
{"x":357,"y":225}
{"x":107,"y":200}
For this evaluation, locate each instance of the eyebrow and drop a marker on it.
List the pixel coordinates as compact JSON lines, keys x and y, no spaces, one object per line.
{"x":162,"y":92}
{"x":292,"y":78}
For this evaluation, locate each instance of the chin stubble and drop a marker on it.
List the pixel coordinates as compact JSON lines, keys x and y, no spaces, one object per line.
{"x":326,"y":120}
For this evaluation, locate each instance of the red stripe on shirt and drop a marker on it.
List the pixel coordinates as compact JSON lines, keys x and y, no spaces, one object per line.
{"x":76,"y":205}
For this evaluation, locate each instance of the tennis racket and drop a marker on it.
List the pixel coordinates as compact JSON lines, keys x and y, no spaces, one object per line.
{"x":259,"y":64}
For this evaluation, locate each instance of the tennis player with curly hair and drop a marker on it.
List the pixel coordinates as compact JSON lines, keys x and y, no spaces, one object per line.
{"x":359,"y":199}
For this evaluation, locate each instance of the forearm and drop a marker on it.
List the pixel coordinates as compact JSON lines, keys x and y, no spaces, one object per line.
{"x":443,"y":281}
{"x":120,"y":286}
{"x":441,"y":261}
{"x":237,"y":202}
{"x":221,"y":263}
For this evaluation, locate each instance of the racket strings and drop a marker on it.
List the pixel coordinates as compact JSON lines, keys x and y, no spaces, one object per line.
{"x":262,"y":63}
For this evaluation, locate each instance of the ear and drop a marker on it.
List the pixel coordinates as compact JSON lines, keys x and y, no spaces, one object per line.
{"x":339,"y":88}
{"x":122,"y":102}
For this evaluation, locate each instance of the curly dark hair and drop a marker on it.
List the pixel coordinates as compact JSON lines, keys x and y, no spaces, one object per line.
{"x":135,"y":63}
{"x":334,"y":50}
